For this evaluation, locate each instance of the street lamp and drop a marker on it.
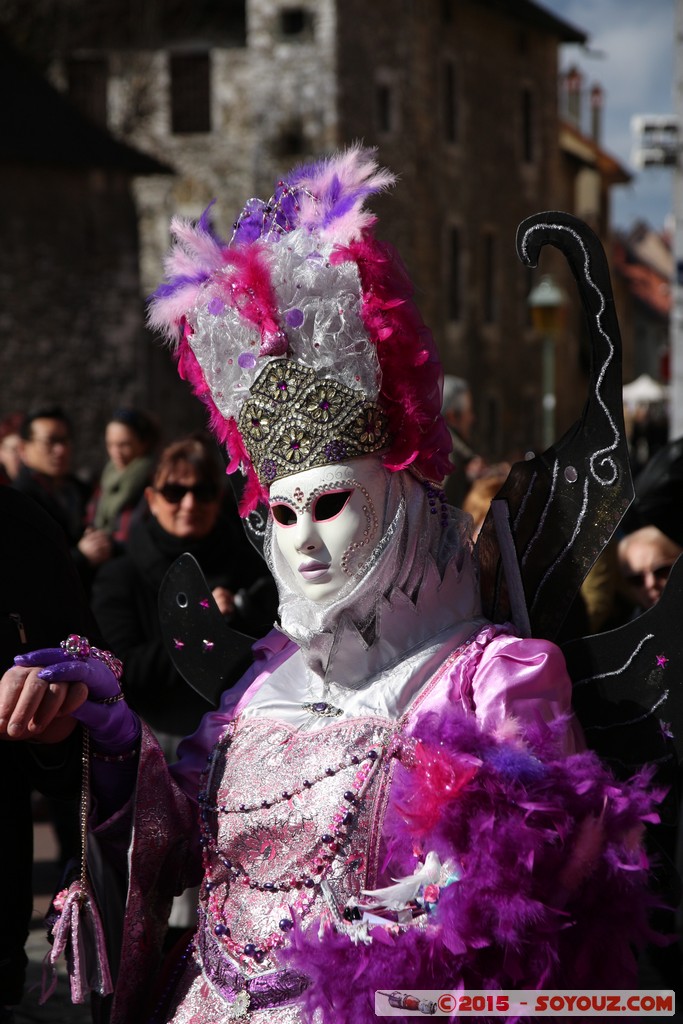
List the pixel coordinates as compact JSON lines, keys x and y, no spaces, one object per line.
{"x":547,"y":302}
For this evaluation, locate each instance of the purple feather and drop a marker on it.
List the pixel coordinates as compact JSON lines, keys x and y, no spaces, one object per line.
{"x":166,"y":289}
{"x":552,"y":892}
{"x":205,"y":225}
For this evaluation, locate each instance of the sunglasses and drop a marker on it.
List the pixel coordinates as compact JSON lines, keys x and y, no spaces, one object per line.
{"x":661,"y":573}
{"x":174,"y":493}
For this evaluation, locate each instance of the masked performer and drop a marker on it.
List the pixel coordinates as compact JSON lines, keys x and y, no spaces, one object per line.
{"x":395,"y":795}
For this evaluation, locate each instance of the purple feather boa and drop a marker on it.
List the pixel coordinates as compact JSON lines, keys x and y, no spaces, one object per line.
{"x":553,"y":891}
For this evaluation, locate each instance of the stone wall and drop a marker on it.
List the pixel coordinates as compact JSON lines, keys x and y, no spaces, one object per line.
{"x":70,"y":306}
{"x":376,"y":72}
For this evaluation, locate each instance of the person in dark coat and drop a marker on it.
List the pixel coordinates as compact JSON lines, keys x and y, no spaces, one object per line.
{"x":186,"y":512}
{"x":41,"y":603}
{"x":458,"y":413}
{"x":45,"y":477}
{"x":130,"y":438}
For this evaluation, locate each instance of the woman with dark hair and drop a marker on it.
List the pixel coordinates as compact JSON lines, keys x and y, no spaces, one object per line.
{"x":130,"y":438}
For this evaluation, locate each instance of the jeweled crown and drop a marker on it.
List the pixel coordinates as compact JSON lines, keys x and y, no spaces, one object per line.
{"x":301,"y":335}
{"x":297,"y":420}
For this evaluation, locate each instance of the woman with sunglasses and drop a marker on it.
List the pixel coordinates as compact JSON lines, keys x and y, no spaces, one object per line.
{"x":646,"y":558}
{"x":186,"y":511}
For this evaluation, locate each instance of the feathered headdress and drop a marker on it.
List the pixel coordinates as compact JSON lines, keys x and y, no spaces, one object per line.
{"x":301,"y":335}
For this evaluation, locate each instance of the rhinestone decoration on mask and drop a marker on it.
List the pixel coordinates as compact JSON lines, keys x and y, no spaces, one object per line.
{"x":296,"y":420}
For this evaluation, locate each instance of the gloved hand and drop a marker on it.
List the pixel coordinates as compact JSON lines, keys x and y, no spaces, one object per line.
{"x":113,"y":726}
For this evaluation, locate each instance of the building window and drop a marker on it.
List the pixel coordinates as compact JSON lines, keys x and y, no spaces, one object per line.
{"x":450,"y":101}
{"x":383,"y":105}
{"x":386,"y":104}
{"x":527,"y":112}
{"x":87,"y":86}
{"x":290,"y":142}
{"x":454,"y":275}
{"x":488,"y":277}
{"x":296,"y":23}
{"x":190,"y":92}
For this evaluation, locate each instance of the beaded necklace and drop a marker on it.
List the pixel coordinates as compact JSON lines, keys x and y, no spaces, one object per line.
{"x":306,"y":886}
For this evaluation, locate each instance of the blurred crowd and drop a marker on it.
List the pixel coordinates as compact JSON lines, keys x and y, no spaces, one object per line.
{"x":632,"y":571}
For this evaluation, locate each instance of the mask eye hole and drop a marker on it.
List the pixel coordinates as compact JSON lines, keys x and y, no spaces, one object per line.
{"x":330,"y":505}
{"x":283,"y":514}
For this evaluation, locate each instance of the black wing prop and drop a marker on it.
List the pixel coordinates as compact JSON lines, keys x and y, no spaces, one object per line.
{"x":208,"y":654}
{"x":628,"y":685}
{"x":548,"y":524}
{"x":628,"y":696}
{"x":555,"y":513}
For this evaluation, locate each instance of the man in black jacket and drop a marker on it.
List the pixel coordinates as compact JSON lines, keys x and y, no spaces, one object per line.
{"x":46,"y":477}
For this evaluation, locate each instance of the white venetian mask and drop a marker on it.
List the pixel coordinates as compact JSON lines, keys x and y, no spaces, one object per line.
{"x":326,"y":521}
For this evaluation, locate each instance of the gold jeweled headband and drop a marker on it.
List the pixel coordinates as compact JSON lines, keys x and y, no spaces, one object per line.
{"x":297,"y":420}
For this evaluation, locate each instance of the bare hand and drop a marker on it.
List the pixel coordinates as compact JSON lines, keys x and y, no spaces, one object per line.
{"x":96,"y":546}
{"x":33,"y":709}
{"x":225,"y":599}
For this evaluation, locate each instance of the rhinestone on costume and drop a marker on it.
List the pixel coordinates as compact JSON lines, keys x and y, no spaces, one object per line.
{"x":77,"y":646}
{"x":296,"y":418}
{"x":322,"y":709}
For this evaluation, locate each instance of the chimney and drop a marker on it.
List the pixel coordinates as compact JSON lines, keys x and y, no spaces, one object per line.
{"x":597,"y":98}
{"x":573,"y":82}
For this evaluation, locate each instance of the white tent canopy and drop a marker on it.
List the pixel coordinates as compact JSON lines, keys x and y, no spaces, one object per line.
{"x":644,"y":390}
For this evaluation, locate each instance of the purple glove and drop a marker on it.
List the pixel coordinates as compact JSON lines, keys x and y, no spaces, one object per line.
{"x":113,"y":726}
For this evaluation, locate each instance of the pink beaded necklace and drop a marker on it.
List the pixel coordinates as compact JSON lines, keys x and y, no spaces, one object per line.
{"x":307,"y":886}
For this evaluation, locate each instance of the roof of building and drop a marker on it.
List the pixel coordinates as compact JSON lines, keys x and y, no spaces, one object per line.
{"x":39,"y":125}
{"x":586,"y":150}
{"x":644,"y":283}
{"x":540,"y":17}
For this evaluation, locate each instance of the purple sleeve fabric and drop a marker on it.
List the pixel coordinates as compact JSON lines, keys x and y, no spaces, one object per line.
{"x":112,"y":784}
{"x":156,"y":833}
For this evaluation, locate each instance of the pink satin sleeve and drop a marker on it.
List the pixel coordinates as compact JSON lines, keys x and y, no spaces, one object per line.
{"x":521,"y":679}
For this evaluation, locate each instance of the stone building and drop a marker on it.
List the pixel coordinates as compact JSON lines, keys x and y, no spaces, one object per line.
{"x":460,"y":96}
{"x":71,"y":313}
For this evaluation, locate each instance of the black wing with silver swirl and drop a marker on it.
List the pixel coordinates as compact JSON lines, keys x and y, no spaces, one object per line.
{"x":556,"y":512}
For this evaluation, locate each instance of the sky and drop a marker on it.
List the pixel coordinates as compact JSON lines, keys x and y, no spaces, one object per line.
{"x":630,"y":53}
